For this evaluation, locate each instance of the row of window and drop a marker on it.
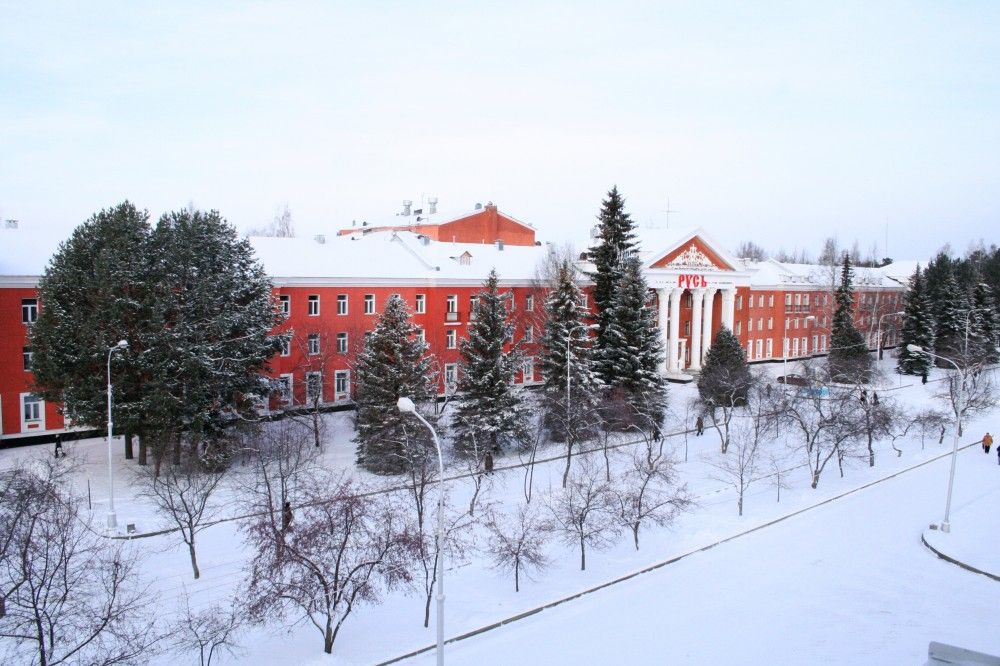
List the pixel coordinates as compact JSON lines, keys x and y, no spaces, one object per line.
{"x":342,"y":340}
{"x":762,"y":348}
{"x":419,"y":304}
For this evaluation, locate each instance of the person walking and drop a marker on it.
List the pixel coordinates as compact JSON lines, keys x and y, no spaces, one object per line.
{"x":864,"y":396}
{"x":59,"y":453}
{"x":286,"y":516}
{"x":699,"y":426}
{"x":657,"y":436}
{"x":988,"y":442}
{"x":488,"y":462}
{"x":875,"y":398}
{"x":923,"y":377}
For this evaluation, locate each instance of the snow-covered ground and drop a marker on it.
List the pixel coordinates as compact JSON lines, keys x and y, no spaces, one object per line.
{"x":848,"y":581}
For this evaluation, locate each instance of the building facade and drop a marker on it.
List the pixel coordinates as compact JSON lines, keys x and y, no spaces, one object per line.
{"x":331,"y":293}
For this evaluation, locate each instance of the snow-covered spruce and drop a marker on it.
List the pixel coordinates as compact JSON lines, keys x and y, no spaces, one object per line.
{"x":918,"y":327}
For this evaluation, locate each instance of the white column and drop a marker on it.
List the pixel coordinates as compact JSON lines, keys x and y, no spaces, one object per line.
{"x":728,"y":307}
{"x":663,"y":313}
{"x":675,"y":322}
{"x":698,"y":295}
{"x":706,"y":330}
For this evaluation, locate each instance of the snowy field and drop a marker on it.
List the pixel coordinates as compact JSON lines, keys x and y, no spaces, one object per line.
{"x":844,"y":581}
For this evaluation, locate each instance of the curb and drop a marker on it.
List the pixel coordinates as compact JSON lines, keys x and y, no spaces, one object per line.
{"x":947,"y":558}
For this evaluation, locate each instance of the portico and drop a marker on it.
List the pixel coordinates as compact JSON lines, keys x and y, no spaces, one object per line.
{"x":696,"y":284}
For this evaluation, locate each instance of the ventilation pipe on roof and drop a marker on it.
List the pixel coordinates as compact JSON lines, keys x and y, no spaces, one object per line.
{"x":10,"y":224}
{"x":499,"y":244}
{"x":407,"y":204}
{"x":479,"y":206}
{"x":320,"y":238}
{"x":432,"y":205}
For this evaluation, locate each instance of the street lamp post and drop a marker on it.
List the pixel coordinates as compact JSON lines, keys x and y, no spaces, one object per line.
{"x":112,"y":517}
{"x":878,"y":342}
{"x":917,"y":349}
{"x":406,"y":406}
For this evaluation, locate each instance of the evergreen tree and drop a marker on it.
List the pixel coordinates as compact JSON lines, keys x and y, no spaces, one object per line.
{"x":849,"y":359}
{"x":489,"y":412}
{"x":393,"y":364}
{"x":984,"y":325}
{"x":213,"y":313}
{"x":638,"y":394}
{"x":616,"y":241}
{"x":951,"y":307}
{"x":725,"y":379}
{"x":918,"y":327}
{"x":95,"y":292}
{"x":564,"y":328}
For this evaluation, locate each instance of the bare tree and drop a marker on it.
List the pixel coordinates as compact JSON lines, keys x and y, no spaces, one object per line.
{"x":347,"y":548}
{"x":750,"y":250}
{"x":968,"y":393}
{"x":209,"y":632}
{"x":281,"y":226}
{"x":583,"y":513}
{"x":185,"y":495}
{"x":648,"y":490}
{"x":70,"y":595}
{"x":518,"y":542}
{"x":739,"y":467}
{"x":930,"y":421}
{"x":776,"y":468}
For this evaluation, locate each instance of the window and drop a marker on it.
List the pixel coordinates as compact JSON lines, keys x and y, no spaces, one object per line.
{"x":760,"y":348}
{"x":750,"y":325}
{"x":29,"y":310}
{"x":369,"y":303}
{"x":770,"y":348}
{"x":795,"y":346}
{"x":421,"y":336}
{"x":27,"y":356}
{"x":314,"y":387}
{"x":452,"y":304}
{"x":450,"y":376}
{"x":798,"y":299}
{"x":529,"y":370}
{"x":529,"y":303}
{"x":286,"y":345}
{"x":473,"y":302}
{"x":770,"y":300}
{"x":795,"y":323}
{"x":788,"y":300}
{"x":814,"y":344}
{"x":342,"y":304}
{"x":770,"y":323}
{"x":787,"y":323}
{"x":760,"y":323}
{"x":511,"y":302}
{"x":342,"y":384}
{"x":341,"y":343}
{"x":313,"y":305}
{"x":313,"y":344}
{"x":805,"y":300}
{"x":450,"y":339}
{"x":529,"y":333}
{"x":285,"y":388}
{"x":823,"y":342}
{"x":285,"y":305}
{"x":749,"y":349}
{"x":31,"y":407}
{"x":583,"y":301}
{"x":687,"y":328}
{"x":760,"y":300}
{"x":420,"y":304}
{"x":739,"y":328}
{"x":739,"y":302}
{"x":805,"y":345}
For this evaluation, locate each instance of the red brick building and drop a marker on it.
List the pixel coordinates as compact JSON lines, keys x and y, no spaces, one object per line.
{"x":332,"y":291}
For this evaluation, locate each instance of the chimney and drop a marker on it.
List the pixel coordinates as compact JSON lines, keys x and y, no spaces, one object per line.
{"x":406,"y":206}
{"x":320,"y":238}
{"x":432,"y":205}
{"x":479,"y":206}
{"x":499,"y":244}
{"x":10,"y":224}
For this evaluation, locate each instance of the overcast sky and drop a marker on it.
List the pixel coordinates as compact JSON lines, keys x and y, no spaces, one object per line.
{"x":777,"y":122}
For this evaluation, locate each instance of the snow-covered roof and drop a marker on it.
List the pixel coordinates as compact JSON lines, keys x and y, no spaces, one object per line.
{"x":773,"y":273}
{"x":392,"y":256}
{"x":441,"y":216}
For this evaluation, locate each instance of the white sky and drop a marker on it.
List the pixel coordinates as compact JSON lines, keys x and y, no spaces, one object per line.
{"x":780,"y":122}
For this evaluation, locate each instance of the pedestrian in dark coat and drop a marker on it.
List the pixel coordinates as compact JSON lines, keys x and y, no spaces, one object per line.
{"x":923,"y":377}
{"x":59,"y":453}
{"x":875,"y":398}
{"x":864,"y":396}
{"x":699,"y":426}
{"x":488,"y":462}
{"x":656,"y":433}
{"x":286,"y":516}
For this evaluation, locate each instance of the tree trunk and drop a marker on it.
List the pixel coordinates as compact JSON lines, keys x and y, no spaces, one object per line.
{"x":129,"y":453}
{"x":517,"y":576}
{"x":635,"y":535}
{"x":815,"y":481}
{"x":143,"y":451}
{"x":194,"y":560}
{"x":427,"y":607}
{"x":328,"y":638}
{"x":583,"y":555}
{"x":569,"y":457}
{"x":871,"y":451}
{"x":176,"y":454}
{"x":739,"y":503}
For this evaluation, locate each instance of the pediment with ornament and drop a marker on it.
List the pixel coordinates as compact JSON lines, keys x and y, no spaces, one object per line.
{"x":692,"y":254}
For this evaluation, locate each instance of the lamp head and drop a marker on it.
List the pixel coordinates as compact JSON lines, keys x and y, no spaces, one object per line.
{"x":915,"y":349}
{"x":405,"y":405}
{"x":122,"y":344}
